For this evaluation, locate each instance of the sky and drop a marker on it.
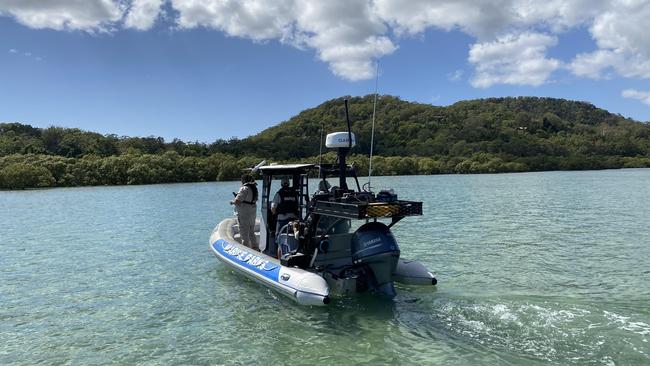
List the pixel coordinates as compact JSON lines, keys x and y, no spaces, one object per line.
{"x":200,"y":70}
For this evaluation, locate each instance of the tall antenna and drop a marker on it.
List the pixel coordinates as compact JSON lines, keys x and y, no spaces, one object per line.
{"x":320,"y":151}
{"x":374,"y":112}
{"x":347,"y":119}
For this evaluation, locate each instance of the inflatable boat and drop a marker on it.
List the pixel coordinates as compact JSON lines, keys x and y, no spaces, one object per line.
{"x":339,"y":241}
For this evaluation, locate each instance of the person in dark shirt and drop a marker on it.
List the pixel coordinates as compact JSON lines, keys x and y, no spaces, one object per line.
{"x":285,"y":205}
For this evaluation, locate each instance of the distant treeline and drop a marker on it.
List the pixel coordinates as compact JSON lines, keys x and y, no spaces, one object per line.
{"x":33,"y":171}
{"x":481,"y":136}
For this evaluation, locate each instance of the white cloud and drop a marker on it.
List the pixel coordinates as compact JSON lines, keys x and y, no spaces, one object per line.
{"x":90,"y":15}
{"x":555,"y":15}
{"x":255,"y":19}
{"x":482,"y":19}
{"x":511,"y":36}
{"x":621,"y":27}
{"x":345,"y":33}
{"x":517,"y":59}
{"x":84,"y":15}
{"x":593,"y":64}
{"x":456,"y":75}
{"x":26,"y":54}
{"x":143,"y":14}
{"x":643,"y":96}
{"x":622,"y":41}
{"x":601,"y":64}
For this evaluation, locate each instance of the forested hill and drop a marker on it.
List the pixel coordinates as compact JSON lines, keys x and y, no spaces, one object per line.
{"x":516,"y":127}
{"x":478,"y":136}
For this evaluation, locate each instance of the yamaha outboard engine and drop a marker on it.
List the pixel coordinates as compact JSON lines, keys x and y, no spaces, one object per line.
{"x":375,"y":249}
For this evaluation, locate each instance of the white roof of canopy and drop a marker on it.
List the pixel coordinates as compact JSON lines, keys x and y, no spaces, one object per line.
{"x":285,"y":168}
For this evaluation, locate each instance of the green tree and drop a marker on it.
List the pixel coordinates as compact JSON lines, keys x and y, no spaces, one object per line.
{"x":21,"y":176}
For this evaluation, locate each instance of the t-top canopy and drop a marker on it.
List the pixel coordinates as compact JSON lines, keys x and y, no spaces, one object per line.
{"x":286,"y":169}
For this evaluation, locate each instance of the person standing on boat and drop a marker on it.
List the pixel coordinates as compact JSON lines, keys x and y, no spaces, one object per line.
{"x":285,"y":206}
{"x":246,"y":205}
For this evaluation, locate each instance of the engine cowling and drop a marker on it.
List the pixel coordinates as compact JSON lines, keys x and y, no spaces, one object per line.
{"x":374,"y":246}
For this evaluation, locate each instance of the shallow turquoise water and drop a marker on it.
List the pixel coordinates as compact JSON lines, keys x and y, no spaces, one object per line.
{"x":533,"y":268}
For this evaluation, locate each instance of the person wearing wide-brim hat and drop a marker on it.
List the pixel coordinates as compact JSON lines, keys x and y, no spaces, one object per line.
{"x":245,"y":206}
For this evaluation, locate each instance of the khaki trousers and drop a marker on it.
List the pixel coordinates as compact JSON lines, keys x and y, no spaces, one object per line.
{"x":247,"y":231}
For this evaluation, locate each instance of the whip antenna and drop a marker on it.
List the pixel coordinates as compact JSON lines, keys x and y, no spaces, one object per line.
{"x":374,"y":112}
{"x":320,"y":151}
{"x":347,"y":119}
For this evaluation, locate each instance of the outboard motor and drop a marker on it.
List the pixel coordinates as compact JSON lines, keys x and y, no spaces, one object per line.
{"x":375,"y":248}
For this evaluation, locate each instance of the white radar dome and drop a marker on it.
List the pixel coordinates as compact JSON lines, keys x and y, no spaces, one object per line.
{"x":339,"y":140}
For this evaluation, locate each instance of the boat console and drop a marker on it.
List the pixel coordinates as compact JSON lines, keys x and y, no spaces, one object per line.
{"x":322,"y":239}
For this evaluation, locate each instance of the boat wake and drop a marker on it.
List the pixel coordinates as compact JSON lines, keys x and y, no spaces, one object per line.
{"x":537,"y":328}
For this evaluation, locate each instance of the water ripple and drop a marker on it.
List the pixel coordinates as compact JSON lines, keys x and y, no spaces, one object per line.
{"x":535,"y":268}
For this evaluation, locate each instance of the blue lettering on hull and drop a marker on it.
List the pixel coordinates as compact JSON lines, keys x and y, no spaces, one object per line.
{"x":247,"y":259}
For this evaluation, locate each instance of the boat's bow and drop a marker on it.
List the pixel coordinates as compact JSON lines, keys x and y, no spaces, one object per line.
{"x":304,"y":287}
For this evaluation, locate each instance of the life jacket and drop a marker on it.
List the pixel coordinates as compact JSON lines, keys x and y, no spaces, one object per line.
{"x":253,"y":187}
{"x":288,"y":201}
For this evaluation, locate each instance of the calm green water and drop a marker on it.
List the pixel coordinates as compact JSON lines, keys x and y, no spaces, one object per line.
{"x":535,"y":268}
